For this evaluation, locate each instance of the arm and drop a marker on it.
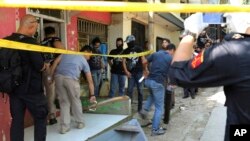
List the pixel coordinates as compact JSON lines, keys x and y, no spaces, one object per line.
{"x":185,"y":49}
{"x":110,"y":62}
{"x":91,"y":86}
{"x":54,"y":65}
{"x":125,"y":68}
{"x":58,"y":44}
{"x":145,"y":66}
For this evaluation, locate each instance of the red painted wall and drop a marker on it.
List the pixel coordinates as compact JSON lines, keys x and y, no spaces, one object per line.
{"x":7,"y":21}
{"x":99,"y":17}
{"x":7,"y":26}
{"x":72,"y":35}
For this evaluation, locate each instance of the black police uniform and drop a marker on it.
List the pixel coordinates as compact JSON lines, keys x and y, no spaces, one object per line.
{"x":29,"y":95}
{"x":226,"y":64}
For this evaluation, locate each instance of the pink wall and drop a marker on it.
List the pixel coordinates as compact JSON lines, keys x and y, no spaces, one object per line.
{"x":7,"y":20}
{"x":99,"y":17}
{"x":72,"y":35}
{"x":7,"y":26}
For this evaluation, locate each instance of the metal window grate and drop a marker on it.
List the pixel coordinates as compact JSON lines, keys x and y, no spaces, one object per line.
{"x":88,"y":27}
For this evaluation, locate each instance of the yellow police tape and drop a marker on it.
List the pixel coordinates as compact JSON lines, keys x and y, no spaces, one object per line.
{"x":102,"y":6}
{"x":37,"y":48}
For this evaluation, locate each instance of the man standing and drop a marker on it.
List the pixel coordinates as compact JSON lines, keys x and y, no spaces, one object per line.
{"x":67,"y":73}
{"x":117,"y":72}
{"x":159,"y":64}
{"x":96,"y":65}
{"x":226,"y":64}
{"x":30,"y":92}
{"x":51,"y":41}
{"x":133,"y":69}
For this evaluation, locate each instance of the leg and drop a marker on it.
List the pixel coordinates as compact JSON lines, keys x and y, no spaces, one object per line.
{"x":64,"y":102}
{"x":94,"y":77}
{"x":121,"y":81}
{"x":158,"y":94}
{"x":17,"y":109}
{"x":167,"y":104}
{"x":50,"y":94}
{"x":131,"y":84}
{"x":38,"y":107}
{"x":73,"y":88}
{"x":192,"y":92}
{"x":150,"y":98}
{"x":186,"y":93}
{"x":113,"y":84}
{"x":139,"y":90}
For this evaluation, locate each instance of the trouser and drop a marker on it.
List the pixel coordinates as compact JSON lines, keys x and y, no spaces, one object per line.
{"x":50,"y":94}
{"x":117,"y":79}
{"x":189,"y":91}
{"x":97,"y":78}
{"x":132,"y":81}
{"x":37,"y":106}
{"x":68,"y":91}
{"x":156,"y":97}
{"x":167,"y":106}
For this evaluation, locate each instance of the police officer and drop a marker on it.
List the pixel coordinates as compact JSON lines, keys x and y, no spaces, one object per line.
{"x":226,"y":64}
{"x":30,"y":92}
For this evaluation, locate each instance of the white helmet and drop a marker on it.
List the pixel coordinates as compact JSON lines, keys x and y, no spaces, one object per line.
{"x":238,"y":22}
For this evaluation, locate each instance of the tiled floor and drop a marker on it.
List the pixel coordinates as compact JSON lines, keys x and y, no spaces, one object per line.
{"x":94,"y":123}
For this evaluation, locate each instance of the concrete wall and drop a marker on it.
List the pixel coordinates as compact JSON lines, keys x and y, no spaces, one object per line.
{"x":115,"y":30}
{"x":163,"y":32}
{"x":121,"y":27}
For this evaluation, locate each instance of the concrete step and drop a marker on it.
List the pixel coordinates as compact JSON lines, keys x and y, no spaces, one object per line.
{"x":215,"y":128}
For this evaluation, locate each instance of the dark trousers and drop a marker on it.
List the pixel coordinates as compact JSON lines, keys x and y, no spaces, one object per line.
{"x":37,"y":106}
{"x":167,"y":105}
{"x":132,"y":82}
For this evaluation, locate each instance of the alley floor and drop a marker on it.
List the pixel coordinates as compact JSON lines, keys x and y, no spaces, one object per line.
{"x":189,"y":116}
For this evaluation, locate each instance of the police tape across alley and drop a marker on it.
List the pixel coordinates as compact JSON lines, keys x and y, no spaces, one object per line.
{"x":102,"y":6}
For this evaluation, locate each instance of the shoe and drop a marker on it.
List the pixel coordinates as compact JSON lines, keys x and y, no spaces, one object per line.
{"x":52,"y":121}
{"x":185,"y":96}
{"x":64,"y":130}
{"x":163,"y":128}
{"x":143,"y":114}
{"x":160,"y":131}
{"x":193,"y":96}
{"x":80,"y":125}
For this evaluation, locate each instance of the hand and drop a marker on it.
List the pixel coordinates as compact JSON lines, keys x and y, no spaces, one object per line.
{"x":145,"y":73}
{"x":194,"y":23}
{"x":128,"y":74}
{"x":92,"y":99}
{"x":47,"y":66}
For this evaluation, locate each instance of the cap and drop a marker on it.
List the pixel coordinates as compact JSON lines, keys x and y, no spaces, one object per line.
{"x":130,"y":38}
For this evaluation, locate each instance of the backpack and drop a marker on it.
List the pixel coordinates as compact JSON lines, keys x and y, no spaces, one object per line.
{"x":10,"y":67}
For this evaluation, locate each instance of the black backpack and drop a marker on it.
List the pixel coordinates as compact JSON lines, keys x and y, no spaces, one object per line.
{"x":10,"y":67}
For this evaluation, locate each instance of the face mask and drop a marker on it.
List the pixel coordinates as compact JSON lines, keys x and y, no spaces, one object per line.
{"x":119,"y":46}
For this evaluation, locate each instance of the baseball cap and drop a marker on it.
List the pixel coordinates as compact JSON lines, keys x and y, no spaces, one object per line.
{"x":130,"y":38}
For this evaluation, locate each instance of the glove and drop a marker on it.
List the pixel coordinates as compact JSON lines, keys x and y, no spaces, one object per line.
{"x":194,"y":24}
{"x":237,"y":22}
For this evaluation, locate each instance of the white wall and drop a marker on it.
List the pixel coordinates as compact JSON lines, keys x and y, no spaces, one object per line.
{"x":115,"y":30}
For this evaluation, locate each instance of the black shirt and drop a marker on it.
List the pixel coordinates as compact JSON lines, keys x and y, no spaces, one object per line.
{"x":134,"y":64}
{"x":32,"y":63}
{"x":116,"y":67}
{"x":226,"y":64}
{"x":95,"y":62}
{"x":49,"y":42}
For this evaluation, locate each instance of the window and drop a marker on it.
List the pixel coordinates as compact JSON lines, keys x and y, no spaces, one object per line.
{"x":138,"y":30}
{"x":88,"y":30}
